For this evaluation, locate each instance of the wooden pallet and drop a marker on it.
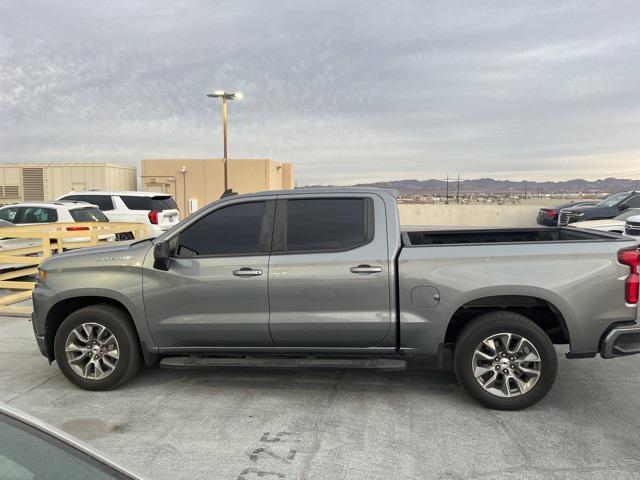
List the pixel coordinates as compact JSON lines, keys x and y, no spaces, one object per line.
{"x":48,"y":240}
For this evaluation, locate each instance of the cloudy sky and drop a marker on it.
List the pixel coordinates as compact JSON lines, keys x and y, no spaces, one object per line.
{"x":347,"y":90}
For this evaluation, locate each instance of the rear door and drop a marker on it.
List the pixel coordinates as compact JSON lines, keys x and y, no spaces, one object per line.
{"x":328,"y":272}
{"x":35,"y":215}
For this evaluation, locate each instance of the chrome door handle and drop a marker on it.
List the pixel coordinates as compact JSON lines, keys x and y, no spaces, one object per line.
{"x":365,"y":269}
{"x":247,"y":272}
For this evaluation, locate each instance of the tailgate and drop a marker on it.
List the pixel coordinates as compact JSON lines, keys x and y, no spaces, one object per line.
{"x":167,"y":218}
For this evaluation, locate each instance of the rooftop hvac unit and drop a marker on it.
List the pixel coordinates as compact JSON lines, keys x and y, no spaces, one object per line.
{"x":33,"y":184}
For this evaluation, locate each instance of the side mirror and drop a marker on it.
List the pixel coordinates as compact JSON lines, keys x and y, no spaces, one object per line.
{"x":161,"y":255}
{"x":623,"y":206}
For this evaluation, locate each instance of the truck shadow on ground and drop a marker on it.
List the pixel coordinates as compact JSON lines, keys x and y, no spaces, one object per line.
{"x":432,"y":382}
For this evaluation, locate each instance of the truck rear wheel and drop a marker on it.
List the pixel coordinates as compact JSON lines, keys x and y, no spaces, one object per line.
{"x":505,"y":361}
{"x":96,"y":348}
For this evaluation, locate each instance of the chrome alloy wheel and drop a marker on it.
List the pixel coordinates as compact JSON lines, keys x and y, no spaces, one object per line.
{"x":92,"y":351}
{"x":506,"y":365}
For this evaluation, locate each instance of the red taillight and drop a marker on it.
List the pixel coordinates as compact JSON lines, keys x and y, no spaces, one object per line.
{"x":76,"y":229}
{"x":153,"y":217}
{"x":552,"y":213}
{"x":631,"y":258}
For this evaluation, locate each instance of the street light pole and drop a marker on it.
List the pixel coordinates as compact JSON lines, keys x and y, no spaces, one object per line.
{"x":225,"y":96}
{"x":224,"y":125}
{"x":224,"y":134}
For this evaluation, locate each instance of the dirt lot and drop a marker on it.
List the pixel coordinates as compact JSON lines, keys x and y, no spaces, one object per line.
{"x":335,"y":424}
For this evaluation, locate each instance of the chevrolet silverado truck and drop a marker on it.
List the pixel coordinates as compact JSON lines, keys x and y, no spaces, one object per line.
{"x":321,"y":277}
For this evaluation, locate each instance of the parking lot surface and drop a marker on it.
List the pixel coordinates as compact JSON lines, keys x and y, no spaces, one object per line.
{"x":233,"y":423}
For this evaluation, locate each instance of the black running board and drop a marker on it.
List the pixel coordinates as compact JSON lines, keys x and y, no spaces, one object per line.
{"x":195,"y":362}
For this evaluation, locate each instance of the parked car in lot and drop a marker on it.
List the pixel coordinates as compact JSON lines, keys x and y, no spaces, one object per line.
{"x":613,"y":225}
{"x":329,"y":273}
{"x":608,"y":208}
{"x":632,"y":227}
{"x":31,"y":449}
{"x":37,"y":213}
{"x":549,"y":216}
{"x":158,"y":211}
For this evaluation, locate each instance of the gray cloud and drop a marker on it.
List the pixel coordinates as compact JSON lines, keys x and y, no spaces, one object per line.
{"x":348,"y":91}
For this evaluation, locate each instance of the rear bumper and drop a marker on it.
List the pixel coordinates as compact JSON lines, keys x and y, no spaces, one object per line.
{"x":546,"y":221}
{"x":621,"y":341}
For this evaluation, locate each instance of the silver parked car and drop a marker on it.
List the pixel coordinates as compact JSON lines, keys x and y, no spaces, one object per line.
{"x":32,"y":450}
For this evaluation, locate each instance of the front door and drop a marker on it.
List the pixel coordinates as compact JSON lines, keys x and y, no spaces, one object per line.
{"x":329,"y":273}
{"x":215,"y":291}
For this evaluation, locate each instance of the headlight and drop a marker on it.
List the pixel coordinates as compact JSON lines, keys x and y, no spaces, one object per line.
{"x":42,"y":275}
{"x":577,"y":214}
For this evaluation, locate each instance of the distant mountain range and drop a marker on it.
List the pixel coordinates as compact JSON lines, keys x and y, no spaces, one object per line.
{"x":490,"y":185}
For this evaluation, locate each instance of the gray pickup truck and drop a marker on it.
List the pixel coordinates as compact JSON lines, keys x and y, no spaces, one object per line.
{"x":327,"y":277}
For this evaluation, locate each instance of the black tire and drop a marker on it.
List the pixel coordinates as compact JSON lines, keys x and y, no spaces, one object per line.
{"x":119,"y":324}
{"x":493,"y":323}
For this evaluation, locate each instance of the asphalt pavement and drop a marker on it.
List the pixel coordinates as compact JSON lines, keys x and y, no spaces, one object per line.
{"x":248,"y":423}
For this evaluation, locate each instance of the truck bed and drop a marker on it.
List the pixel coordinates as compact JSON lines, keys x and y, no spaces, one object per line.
{"x":507,"y":235}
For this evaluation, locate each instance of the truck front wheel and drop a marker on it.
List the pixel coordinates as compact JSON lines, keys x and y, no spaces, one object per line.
{"x":96,"y":348}
{"x":505,"y":361}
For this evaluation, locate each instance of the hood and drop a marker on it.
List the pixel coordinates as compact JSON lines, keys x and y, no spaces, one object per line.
{"x":120,"y":253}
{"x":599,"y":224}
{"x":583,"y":208}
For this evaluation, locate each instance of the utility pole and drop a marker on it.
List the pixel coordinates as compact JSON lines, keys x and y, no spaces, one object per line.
{"x":458,"y":194}
{"x":446,"y":198}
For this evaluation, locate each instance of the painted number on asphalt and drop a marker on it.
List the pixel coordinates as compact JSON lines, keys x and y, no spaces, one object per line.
{"x":277,"y":448}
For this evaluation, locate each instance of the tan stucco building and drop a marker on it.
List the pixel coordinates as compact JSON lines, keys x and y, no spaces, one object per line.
{"x":38,"y":182}
{"x":196,"y":182}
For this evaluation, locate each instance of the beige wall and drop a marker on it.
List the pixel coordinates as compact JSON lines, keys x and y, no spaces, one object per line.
{"x":204,"y":177}
{"x":288,"y":180}
{"x":60,"y":178}
{"x":469,"y":215}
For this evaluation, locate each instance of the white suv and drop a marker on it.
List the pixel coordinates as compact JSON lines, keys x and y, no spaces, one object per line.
{"x":34,"y":213}
{"x":159,"y":211}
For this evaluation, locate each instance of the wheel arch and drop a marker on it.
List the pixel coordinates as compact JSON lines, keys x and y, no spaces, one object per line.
{"x":540,"y":310}
{"x":64,"y":307}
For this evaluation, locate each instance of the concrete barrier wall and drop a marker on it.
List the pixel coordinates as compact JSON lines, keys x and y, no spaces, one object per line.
{"x":469,"y":215}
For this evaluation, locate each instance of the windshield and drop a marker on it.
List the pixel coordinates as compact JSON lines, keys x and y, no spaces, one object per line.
{"x":159,"y":202}
{"x":613,"y":200}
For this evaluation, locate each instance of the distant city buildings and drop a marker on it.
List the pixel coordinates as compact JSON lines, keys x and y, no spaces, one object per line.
{"x":476,"y":198}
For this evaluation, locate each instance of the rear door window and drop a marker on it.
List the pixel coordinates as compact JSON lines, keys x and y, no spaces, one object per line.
{"x":35,"y":215}
{"x":103,"y":202}
{"x":88,"y":214}
{"x":327,"y":224}
{"x":633,"y":202}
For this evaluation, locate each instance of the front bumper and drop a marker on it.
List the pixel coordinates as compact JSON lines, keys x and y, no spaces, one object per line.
{"x":621,"y":341}
{"x":40,"y":340}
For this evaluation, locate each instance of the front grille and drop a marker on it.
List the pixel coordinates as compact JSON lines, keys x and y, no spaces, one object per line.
{"x":563,"y":218}
{"x":632,"y":228}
